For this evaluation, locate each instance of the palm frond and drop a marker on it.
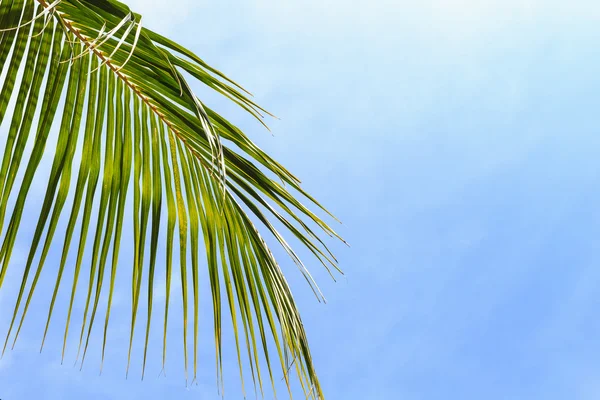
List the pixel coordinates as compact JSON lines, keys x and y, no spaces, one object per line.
{"x":125,"y":98}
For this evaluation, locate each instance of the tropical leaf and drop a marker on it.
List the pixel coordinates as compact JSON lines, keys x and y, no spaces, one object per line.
{"x":119,"y":89}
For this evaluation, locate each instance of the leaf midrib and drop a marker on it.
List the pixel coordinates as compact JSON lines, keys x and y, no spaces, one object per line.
{"x":117,"y":72}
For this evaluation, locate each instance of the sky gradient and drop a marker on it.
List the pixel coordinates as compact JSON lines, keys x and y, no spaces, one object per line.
{"x":457,"y":141}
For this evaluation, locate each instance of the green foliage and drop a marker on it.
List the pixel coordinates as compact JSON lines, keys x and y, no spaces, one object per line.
{"x":141,"y":127}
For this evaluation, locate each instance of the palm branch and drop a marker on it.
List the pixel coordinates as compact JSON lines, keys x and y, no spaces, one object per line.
{"x":120,"y":91}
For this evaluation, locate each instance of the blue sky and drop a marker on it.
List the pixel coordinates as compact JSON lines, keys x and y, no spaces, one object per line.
{"x":458,"y":144}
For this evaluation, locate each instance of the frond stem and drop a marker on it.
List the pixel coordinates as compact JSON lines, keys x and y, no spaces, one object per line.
{"x":117,"y":72}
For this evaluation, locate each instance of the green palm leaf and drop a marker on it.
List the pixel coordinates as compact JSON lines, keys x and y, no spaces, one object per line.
{"x":124,"y":96}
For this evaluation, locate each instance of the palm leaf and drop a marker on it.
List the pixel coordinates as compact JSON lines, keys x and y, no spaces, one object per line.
{"x":125,"y":97}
